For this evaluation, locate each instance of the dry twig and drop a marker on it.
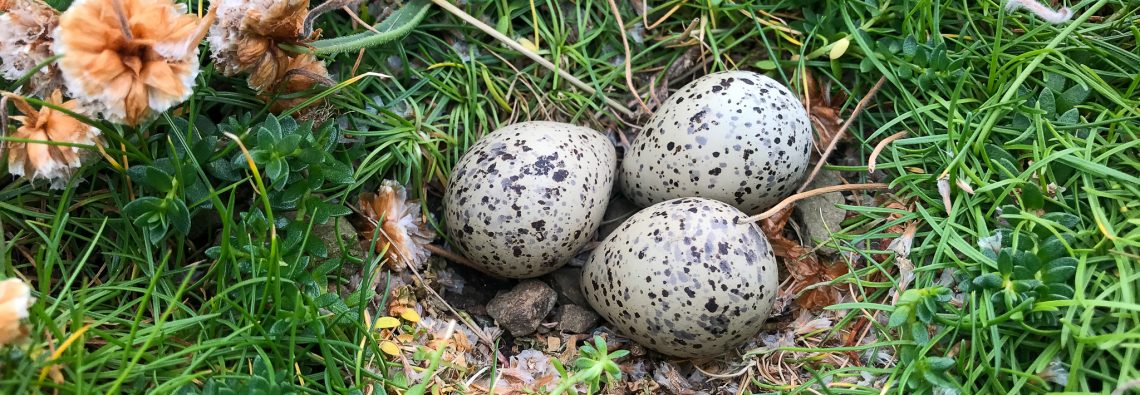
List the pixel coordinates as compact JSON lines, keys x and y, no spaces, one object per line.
{"x":628,"y":58}
{"x":839,"y":134}
{"x":879,"y":148}
{"x":804,"y":195}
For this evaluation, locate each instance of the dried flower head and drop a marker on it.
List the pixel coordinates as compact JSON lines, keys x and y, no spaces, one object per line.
{"x":129,"y":59}
{"x":26,"y":41}
{"x":402,"y":232}
{"x":44,"y":160}
{"x":302,"y":72}
{"x":246,"y":38}
{"x":15,"y":296}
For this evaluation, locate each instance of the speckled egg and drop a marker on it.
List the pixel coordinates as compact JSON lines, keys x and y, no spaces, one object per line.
{"x":527,"y":197}
{"x":682,"y":277}
{"x":736,"y":136}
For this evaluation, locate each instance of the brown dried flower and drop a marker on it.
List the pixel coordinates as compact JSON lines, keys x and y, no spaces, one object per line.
{"x":26,"y":41}
{"x":246,"y":38}
{"x":47,"y":161}
{"x":302,"y":72}
{"x":402,"y":232}
{"x":129,"y":59}
{"x":15,"y":296}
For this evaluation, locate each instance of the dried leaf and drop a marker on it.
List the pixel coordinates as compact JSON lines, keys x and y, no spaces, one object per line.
{"x":903,"y":243}
{"x":387,"y":322}
{"x":821,"y":108}
{"x":666,"y":376}
{"x":410,"y":315}
{"x":462,"y":343}
{"x":390,"y":348}
{"x":964,"y":186}
{"x":807,"y":323}
{"x":944,"y":190}
{"x":804,"y":266}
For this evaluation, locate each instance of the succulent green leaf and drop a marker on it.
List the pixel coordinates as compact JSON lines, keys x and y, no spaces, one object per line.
{"x":989,"y":281}
{"x":1005,"y":262}
{"x":900,"y":316}
{"x":179,"y":216}
{"x":1031,"y":196}
{"x":1054,"y":247}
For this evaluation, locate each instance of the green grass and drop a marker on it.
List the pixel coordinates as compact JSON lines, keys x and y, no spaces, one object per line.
{"x":986,"y":97}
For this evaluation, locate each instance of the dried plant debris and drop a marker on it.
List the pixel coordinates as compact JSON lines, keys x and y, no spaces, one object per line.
{"x":15,"y":297}
{"x":1046,"y":14}
{"x":403,"y":233}
{"x":52,"y":154}
{"x":248,"y":39}
{"x":26,"y":28}
{"x":128,"y":60}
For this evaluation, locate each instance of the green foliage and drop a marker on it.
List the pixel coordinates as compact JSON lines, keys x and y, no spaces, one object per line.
{"x":915,"y":310}
{"x":397,"y":25}
{"x":173,"y":189}
{"x":296,"y":158}
{"x":1029,"y":260}
{"x":596,"y":365}
{"x":263,"y":381}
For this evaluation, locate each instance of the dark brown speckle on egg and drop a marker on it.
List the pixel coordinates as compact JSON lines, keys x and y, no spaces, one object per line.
{"x":525,"y":198}
{"x":705,"y":284}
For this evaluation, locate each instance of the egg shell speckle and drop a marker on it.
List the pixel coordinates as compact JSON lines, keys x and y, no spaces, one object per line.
{"x":683,"y":278}
{"x":525,"y":198}
{"x":735,"y":136}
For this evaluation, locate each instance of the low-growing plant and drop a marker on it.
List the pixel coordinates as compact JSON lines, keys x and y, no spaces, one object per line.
{"x":596,"y":365}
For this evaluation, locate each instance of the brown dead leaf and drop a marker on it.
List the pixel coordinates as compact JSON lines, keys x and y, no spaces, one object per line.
{"x":462,"y":343}
{"x":901,"y":246}
{"x":822,"y":108}
{"x":571,"y":352}
{"x":802,"y":264}
{"x":884,"y":244}
{"x":553,"y":343}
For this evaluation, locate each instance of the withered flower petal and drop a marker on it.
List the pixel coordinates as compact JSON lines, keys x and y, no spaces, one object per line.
{"x":15,"y":296}
{"x":47,"y":161}
{"x":26,"y":41}
{"x":403,"y":233}
{"x":129,"y":59}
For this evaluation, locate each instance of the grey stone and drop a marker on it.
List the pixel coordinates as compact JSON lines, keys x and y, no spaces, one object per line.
{"x":576,"y":319}
{"x":820,"y":214}
{"x":567,"y":282}
{"x":522,"y":309}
